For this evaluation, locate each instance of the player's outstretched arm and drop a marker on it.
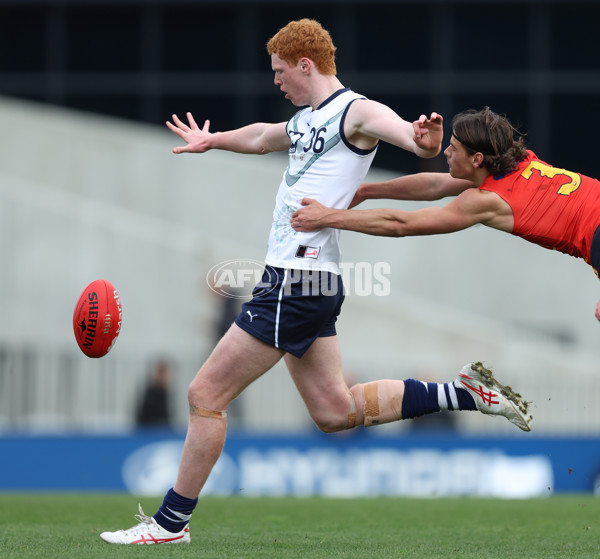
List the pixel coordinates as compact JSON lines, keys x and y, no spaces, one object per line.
{"x":420,"y":186}
{"x":380,"y":222}
{"x":367,"y":119}
{"x":466,"y":210}
{"x":257,"y":138}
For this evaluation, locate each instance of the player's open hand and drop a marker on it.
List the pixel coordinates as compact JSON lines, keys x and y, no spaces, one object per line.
{"x":598,"y":310}
{"x":198,"y":139}
{"x":429,"y":132}
{"x":310,"y":217}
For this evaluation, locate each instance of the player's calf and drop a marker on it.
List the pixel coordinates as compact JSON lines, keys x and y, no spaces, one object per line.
{"x":475,"y":388}
{"x":378,"y":402}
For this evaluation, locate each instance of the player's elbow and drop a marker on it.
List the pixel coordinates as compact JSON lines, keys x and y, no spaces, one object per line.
{"x":394,"y":231}
{"x":393,"y":228}
{"x":437,"y":186}
{"x":433,"y":193}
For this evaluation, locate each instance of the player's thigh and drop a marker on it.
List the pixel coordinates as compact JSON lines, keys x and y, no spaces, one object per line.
{"x":319,"y":376}
{"x":238,"y":359}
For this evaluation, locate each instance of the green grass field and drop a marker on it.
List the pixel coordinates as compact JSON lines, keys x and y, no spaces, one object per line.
{"x":67,"y":525}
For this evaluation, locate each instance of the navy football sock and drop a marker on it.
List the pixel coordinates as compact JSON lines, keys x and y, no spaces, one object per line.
{"x":421,"y":398}
{"x":175,"y":512}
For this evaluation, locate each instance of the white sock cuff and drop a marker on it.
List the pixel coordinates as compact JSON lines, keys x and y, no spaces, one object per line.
{"x":453,"y":397}
{"x":442,"y":400}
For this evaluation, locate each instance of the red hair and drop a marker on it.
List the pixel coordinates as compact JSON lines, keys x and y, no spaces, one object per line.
{"x":304,"y":38}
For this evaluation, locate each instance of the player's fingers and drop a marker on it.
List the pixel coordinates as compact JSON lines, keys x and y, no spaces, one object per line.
{"x":436,"y":119}
{"x":417,"y":129}
{"x":180,"y":124}
{"x":206,"y":126}
{"x":174,"y":129}
{"x":180,"y":149}
{"x":192,"y":122}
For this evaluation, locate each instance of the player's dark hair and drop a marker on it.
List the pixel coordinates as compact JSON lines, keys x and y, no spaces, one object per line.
{"x":493,"y":135}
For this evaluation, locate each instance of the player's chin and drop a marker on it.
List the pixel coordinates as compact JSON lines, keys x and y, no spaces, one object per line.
{"x":454,"y":174}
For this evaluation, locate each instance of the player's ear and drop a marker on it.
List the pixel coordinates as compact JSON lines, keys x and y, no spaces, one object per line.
{"x":305,"y":64}
{"x":478,"y":160}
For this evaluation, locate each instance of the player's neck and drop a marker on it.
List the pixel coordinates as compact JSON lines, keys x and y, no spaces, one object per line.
{"x":327,"y":86}
{"x":480,"y":176}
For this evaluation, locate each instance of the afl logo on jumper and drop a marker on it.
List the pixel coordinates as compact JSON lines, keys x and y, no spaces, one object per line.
{"x":307,"y":252}
{"x":294,"y":138}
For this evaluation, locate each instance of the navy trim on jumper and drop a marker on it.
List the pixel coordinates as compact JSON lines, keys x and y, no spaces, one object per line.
{"x":350,"y":146}
{"x":332,"y":97}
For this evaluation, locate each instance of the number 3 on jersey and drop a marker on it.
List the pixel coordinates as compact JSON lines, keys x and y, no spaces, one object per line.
{"x":550,"y":172}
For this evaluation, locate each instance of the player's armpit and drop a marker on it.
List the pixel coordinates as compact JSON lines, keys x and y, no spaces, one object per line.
{"x":274,"y":138}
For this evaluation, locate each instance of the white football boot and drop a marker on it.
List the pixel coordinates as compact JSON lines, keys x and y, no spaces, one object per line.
{"x":147,"y":532}
{"x":493,"y":398}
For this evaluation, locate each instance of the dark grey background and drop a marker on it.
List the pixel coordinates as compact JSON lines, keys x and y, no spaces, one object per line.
{"x":538,"y":62}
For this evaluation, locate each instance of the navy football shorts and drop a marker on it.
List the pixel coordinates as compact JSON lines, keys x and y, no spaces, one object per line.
{"x":595,"y":252}
{"x":290,"y":309}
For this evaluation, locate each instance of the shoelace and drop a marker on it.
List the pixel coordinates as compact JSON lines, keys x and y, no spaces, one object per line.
{"x":142,"y":518}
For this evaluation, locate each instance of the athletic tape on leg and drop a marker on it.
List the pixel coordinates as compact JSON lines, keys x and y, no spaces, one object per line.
{"x":383,"y":402}
{"x":203,"y":412}
{"x":352,"y":414}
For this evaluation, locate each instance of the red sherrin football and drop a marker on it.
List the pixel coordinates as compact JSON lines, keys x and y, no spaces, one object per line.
{"x":97,"y":318}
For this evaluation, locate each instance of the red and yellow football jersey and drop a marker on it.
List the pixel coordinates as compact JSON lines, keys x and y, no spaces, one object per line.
{"x":552,"y":207}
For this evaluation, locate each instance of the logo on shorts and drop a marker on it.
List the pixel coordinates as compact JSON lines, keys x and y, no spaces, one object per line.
{"x":308,"y":252}
{"x":251,"y":315}
{"x":238,"y":278}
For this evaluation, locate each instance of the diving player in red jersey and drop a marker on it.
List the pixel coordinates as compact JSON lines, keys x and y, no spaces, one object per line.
{"x":497,"y":182}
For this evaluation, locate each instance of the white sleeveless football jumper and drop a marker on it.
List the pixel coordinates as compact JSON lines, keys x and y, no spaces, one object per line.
{"x":322,"y":165}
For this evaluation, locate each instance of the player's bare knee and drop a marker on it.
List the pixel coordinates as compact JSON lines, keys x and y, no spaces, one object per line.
{"x":196,"y":391}
{"x":201,"y":404}
{"x":329,"y":423}
{"x":339,"y":420}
